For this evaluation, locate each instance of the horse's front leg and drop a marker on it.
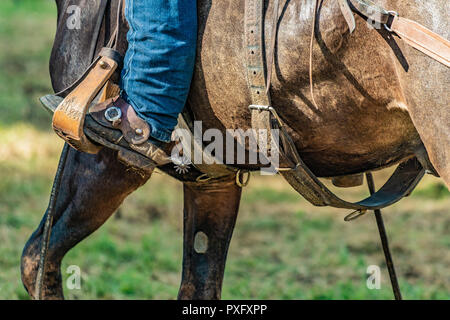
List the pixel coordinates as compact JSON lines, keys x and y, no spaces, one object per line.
{"x":210,"y":211}
{"x":92,"y":188}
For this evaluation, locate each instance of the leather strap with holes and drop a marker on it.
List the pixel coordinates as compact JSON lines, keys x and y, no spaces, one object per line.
{"x":265,"y":117}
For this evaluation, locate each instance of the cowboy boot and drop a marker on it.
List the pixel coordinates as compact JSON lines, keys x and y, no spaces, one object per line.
{"x":114,"y":124}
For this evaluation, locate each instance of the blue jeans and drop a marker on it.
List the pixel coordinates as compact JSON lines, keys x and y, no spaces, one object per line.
{"x":160,"y":60}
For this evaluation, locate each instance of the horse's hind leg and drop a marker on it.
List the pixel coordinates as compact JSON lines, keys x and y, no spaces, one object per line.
{"x":209,"y":217}
{"x":92,"y":188}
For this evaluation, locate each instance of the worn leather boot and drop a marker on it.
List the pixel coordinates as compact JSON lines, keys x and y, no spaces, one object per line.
{"x":120,"y":125}
{"x":115,"y":125}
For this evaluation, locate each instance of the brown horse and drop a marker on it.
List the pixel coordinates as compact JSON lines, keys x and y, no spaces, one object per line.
{"x":379,"y":102}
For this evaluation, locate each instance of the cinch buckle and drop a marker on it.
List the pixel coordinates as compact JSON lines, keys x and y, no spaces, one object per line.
{"x":355,"y":215}
{"x":391,"y":13}
{"x":260,"y":107}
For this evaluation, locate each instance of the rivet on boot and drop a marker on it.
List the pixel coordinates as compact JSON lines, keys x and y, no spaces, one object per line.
{"x":139,"y":132}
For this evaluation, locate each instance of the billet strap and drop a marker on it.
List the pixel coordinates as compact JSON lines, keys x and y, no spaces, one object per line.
{"x":254,"y":51}
{"x":422,"y":39}
{"x":68,"y":119}
{"x":301,"y":178}
{"x":256,"y":76}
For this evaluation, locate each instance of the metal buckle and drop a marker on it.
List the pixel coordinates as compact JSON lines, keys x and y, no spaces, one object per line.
{"x":288,"y":169}
{"x":355,"y":215}
{"x":240,"y":181}
{"x":260,"y":107}
{"x":391,"y":13}
{"x":203,"y":178}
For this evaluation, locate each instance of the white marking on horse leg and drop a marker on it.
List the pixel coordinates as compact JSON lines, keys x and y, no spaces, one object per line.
{"x":201,"y":242}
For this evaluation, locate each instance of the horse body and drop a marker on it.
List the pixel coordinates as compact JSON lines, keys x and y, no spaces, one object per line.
{"x":361,"y":122}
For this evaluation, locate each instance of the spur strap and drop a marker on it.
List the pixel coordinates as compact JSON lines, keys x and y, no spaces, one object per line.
{"x":115,"y":113}
{"x":265,"y":117}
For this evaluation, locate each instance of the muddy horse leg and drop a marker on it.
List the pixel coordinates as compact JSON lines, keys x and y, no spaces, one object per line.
{"x":93,"y":187}
{"x":209,"y":217}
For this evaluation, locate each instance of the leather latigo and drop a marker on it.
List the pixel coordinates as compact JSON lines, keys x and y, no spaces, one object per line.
{"x":423,"y":39}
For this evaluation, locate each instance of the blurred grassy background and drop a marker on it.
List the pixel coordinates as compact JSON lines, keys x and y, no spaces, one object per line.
{"x":283,"y":248}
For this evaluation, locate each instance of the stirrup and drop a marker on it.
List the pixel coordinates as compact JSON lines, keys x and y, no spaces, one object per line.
{"x":68,"y":118}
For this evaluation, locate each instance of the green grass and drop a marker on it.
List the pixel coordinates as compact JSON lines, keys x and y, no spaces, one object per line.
{"x":433,"y":191}
{"x":282,"y":248}
{"x":26,"y":33}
